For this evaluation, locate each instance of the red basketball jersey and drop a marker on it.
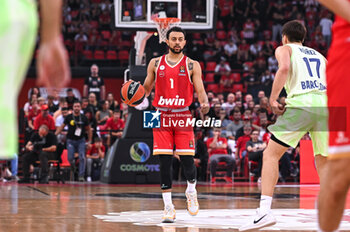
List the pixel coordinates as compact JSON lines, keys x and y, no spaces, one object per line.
{"x":174,"y":87}
{"x":341,"y":32}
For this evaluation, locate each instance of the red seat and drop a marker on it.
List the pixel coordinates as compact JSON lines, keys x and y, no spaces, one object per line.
{"x":221,"y":35}
{"x":219,"y":25}
{"x":111,"y":55}
{"x":99,"y":55}
{"x":87,"y":54}
{"x":236,"y":77}
{"x":213,"y":88}
{"x":94,"y":24}
{"x":209,"y":77}
{"x":201,"y":63}
{"x":237,"y":87}
{"x":106,"y":35}
{"x":64,"y":157}
{"x":196,"y":36}
{"x":123,"y":55}
{"x":125,"y":44}
{"x":210,"y":66}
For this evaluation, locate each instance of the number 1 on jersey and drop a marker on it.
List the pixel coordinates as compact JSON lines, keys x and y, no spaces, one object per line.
{"x":318,"y":63}
{"x":171,"y":83}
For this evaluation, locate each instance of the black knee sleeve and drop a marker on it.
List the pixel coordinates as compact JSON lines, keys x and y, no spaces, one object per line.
{"x":189,"y":168}
{"x":165,"y":171}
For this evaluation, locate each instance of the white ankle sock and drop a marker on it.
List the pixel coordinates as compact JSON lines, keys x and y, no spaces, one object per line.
{"x":167,"y":198}
{"x":265,"y":204}
{"x":191,"y":187}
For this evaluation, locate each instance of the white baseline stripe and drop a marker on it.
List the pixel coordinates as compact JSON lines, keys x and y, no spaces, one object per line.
{"x":339,"y":149}
{"x":185,"y":150}
{"x":162,"y":150}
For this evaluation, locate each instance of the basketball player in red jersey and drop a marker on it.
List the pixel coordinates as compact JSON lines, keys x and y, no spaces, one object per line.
{"x":174,"y":76}
{"x":336,"y":180}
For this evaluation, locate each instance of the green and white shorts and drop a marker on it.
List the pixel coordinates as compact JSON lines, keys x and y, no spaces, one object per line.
{"x":306,"y":113}
{"x":18,"y":31}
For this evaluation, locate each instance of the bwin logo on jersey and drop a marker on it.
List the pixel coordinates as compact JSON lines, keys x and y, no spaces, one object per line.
{"x":171,"y":101}
{"x":151,"y":119}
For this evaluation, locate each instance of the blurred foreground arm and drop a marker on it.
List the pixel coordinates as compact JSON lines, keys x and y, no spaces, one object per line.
{"x":339,"y":7}
{"x":52,"y":64}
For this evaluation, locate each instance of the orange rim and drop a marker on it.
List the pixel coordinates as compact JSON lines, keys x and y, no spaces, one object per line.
{"x":164,"y":22}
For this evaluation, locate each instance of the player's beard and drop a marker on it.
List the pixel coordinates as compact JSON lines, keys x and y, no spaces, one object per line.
{"x":176,"y":52}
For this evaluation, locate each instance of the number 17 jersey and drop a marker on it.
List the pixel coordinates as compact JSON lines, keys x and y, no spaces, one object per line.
{"x":307,"y":71}
{"x":174,"y":87}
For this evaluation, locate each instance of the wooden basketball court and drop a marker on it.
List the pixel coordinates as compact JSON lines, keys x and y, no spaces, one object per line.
{"x":101,"y":207}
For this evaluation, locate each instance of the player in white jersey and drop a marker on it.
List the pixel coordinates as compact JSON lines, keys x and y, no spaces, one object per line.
{"x":302,"y":73}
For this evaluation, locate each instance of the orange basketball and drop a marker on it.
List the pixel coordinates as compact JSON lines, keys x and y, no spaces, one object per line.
{"x":132,"y":93}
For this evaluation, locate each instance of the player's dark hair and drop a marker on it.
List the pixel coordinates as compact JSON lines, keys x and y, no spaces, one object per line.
{"x":176,"y":29}
{"x":76,"y":101}
{"x":97,"y":139}
{"x":294,"y":30}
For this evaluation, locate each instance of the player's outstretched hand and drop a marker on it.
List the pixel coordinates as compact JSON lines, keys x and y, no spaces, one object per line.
{"x":204,"y":108}
{"x":52,"y":65}
{"x":277,"y":108}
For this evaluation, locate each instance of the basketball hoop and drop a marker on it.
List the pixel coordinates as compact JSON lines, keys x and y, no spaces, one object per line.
{"x":163,"y":25}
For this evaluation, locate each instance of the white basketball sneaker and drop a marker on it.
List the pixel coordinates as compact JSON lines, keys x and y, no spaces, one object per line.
{"x":192,"y":203}
{"x":259,"y":221}
{"x":169,"y":214}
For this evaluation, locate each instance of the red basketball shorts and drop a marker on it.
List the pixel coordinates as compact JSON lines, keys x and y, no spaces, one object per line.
{"x":338,"y":84}
{"x":175,"y":132}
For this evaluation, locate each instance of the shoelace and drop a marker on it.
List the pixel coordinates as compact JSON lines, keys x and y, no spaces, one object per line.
{"x":192,"y":198}
{"x":168,"y":210}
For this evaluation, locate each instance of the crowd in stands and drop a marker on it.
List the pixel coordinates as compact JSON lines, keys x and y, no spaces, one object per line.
{"x":85,"y":126}
{"x":238,"y":66}
{"x":246,"y":33}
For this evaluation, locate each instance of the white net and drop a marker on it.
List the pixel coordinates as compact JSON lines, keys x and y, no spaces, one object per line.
{"x":164,"y":24}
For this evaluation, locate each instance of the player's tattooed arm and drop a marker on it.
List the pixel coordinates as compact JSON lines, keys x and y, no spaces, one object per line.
{"x":156,"y":63}
{"x":190,"y":66}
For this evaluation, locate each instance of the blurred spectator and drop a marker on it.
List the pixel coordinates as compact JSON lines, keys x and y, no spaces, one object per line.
{"x":115,"y":125}
{"x":62,"y":103}
{"x":214,"y":111}
{"x":41,"y":146}
{"x":52,"y":107}
{"x":61,"y":138}
{"x":253,"y":83}
{"x":267,"y":48}
{"x":103,"y":114}
{"x":70,"y":98}
{"x":235,"y":124}
{"x":221,"y":69}
{"x":266,"y":81}
{"x":241,"y":9}
{"x":226,"y":12}
{"x":95,"y":156}
{"x":278,"y":14}
{"x":242,"y":142}
{"x":224,"y":121}
{"x":28,"y":105}
{"x":231,"y":52}
{"x":255,"y":148}
{"x":44,"y":118}
{"x":34,"y":90}
{"x":94,"y":84}
{"x":217,"y":148}
{"x":272,"y":64}
{"x":229,"y":104}
{"x":248,"y":31}
{"x":33,"y":113}
{"x":105,"y":20}
{"x":84,"y":104}
{"x":243,"y":51}
{"x":78,"y":125}
{"x":254,"y":49}
{"x":246,"y":122}
{"x":113,"y":104}
{"x":93,"y":104}
{"x":326,"y":24}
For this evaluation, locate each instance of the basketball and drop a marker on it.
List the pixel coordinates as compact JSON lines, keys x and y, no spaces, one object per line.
{"x":132,"y":93}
